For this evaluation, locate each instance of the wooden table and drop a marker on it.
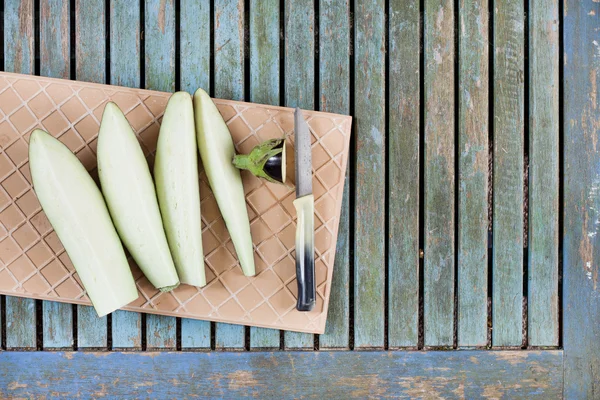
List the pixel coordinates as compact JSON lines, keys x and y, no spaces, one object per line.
{"x":470,"y":219}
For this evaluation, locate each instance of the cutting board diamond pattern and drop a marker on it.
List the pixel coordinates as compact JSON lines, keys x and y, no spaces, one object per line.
{"x":33,"y":262}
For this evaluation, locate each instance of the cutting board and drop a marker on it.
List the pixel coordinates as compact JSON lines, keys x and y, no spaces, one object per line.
{"x":34,"y":264}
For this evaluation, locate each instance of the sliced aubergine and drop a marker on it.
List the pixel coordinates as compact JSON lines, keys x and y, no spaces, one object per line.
{"x":75,"y":208}
{"x":266,"y":160}
{"x":177,"y":187}
{"x":131,"y":198}
{"x":217,"y":151}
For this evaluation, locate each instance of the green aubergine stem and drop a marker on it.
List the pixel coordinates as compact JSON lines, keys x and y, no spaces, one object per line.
{"x":266,"y":160}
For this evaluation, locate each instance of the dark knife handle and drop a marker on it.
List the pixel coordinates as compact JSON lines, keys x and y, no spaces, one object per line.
{"x":305,"y":250}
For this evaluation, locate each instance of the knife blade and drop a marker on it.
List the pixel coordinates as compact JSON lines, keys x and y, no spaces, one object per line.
{"x":305,"y":209}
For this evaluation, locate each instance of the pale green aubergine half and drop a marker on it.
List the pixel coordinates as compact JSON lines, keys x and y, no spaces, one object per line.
{"x":131,"y":198}
{"x":76,"y":209}
{"x":217,"y":152}
{"x":178,"y":189}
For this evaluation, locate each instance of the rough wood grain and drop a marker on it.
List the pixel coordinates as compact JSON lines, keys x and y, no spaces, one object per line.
{"x":334,"y":96}
{"x":542,"y":303}
{"x":55,"y":62}
{"x":19,"y":57}
{"x":439,"y":173}
{"x":369,"y":213}
{"x":581,"y":263}
{"x":229,"y":84}
{"x":432,"y":375}
{"x":159,"y":36}
{"x":90,"y":66}
{"x":403,"y":167}
{"x":473,"y":133}
{"x":194,"y":52}
{"x":264,"y":89}
{"x":508,"y":173}
{"x":125,"y":71}
{"x":299,"y":89}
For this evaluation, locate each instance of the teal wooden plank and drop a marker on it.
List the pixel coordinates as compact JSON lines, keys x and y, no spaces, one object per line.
{"x":284,"y":375}
{"x":334,"y":96}
{"x":20,"y":323}
{"x":229,"y":84}
{"x":125,"y":70}
{"x":264,"y":89}
{"x":403,"y":167}
{"x":473,"y":131}
{"x":19,"y":57}
{"x":581,"y":259}
{"x":369,"y":213}
{"x":299,"y":90}
{"x":90,"y":65}
{"x":159,"y":36}
{"x":508,"y":173}
{"x":55,"y":41}
{"x":439,"y":173}
{"x":542,"y":306}
{"x":194,"y":53}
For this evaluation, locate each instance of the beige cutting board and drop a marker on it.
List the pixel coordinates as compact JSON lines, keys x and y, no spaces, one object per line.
{"x":34,"y":264}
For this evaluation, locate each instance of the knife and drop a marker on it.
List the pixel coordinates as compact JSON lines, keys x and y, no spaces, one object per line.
{"x":305,"y":209}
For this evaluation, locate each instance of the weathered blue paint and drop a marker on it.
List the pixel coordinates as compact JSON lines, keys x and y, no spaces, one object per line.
{"x":90,"y":66}
{"x":55,"y":62}
{"x":581,"y":263}
{"x":194,"y":53}
{"x":468,"y":374}
{"x":18,"y":57}
{"x":229,"y":84}
{"x":125,"y":71}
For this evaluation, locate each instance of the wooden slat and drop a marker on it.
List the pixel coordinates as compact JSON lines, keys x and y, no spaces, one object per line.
{"x":403,"y":167}
{"x":369,"y":200}
{"x":473,"y":131}
{"x":55,"y":62}
{"x":508,"y":173}
{"x":543,"y":173}
{"x":194,"y":52}
{"x":264,"y":88}
{"x":334,"y":96}
{"x":229,"y":84}
{"x":125,"y":71}
{"x":159,"y":36}
{"x":439,"y":173}
{"x":299,"y":90}
{"x":90,"y":66}
{"x":337,"y":375}
{"x":19,"y":57}
{"x":581,"y":262}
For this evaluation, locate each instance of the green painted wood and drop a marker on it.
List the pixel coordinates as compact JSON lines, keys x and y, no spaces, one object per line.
{"x":542,"y":306}
{"x":55,"y":62}
{"x":299,"y":90}
{"x":194,"y":53}
{"x":369,"y":213}
{"x":507,"y":251}
{"x":334,"y":96}
{"x":473,"y":131}
{"x":159,"y":37}
{"x":581,"y":245}
{"x":125,"y":70}
{"x":229,"y":84}
{"x":439,"y":173}
{"x":264,"y":89}
{"x":403,"y":167}
{"x":19,"y":57}
{"x":90,"y":66}
{"x":279,"y":375}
